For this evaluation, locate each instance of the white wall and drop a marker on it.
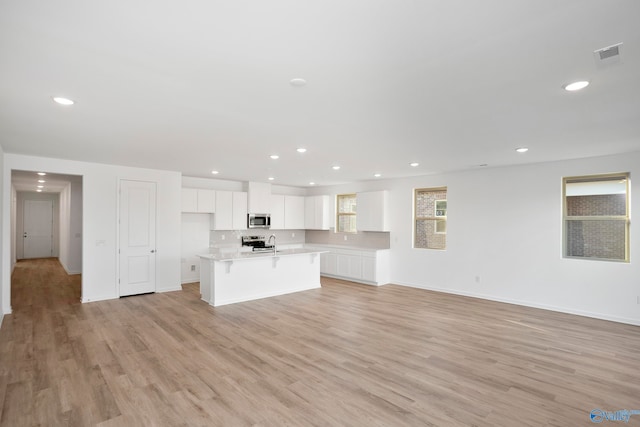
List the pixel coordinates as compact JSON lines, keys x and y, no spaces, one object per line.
{"x":505,"y":227}
{"x":227,"y":185}
{"x":5,"y":251}
{"x":195,"y":241}
{"x":70,"y":255}
{"x":99,"y":208}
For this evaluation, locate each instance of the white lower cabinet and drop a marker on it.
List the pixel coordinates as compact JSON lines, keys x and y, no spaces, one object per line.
{"x":349,"y":265}
{"x":329,"y":263}
{"x":368,"y":266}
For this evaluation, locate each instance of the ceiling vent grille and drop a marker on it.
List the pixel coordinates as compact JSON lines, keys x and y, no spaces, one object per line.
{"x":608,"y":52}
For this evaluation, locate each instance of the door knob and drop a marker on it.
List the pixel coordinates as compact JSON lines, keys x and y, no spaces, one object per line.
{"x":153,"y":251}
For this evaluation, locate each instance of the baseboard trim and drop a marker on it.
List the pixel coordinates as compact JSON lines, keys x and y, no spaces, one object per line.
{"x":351,"y":279}
{"x":99,"y":298}
{"x":69,"y":272}
{"x":169,"y":289}
{"x":600,"y":316}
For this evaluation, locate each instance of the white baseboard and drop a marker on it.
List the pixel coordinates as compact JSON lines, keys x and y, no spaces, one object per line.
{"x":593,"y":315}
{"x":179,"y":288}
{"x":351,"y":279}
{"x":99,"y":298}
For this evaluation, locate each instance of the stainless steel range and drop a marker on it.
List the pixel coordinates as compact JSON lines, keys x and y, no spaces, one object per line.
{"x":258,"y":243}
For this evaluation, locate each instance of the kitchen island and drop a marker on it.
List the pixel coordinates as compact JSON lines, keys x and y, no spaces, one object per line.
{"x":245,"y":276}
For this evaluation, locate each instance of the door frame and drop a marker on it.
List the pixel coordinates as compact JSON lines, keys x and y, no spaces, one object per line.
{"x":21,"y":196}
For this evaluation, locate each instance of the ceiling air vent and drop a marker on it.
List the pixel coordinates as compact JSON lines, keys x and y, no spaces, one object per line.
{"x":609,"y":54}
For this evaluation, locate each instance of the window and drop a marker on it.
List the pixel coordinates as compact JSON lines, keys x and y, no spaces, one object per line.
{"x":346,"y":217}
{"x":430,"y":218}
{"x":596,"y":217}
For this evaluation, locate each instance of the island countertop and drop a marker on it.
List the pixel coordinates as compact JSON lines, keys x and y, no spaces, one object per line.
{"x":248,"y":255}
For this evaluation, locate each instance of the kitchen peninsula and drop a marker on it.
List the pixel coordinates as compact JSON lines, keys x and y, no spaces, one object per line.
{"x":244,"y":276}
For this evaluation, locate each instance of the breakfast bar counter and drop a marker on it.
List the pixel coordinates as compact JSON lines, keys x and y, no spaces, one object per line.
{"x":227,"y":278}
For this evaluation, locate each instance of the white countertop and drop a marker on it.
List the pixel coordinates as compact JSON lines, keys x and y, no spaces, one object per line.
{"x":346,"y":247}
{"x":247,"y":255}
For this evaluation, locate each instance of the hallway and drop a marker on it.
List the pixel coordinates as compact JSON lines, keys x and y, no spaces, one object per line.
{"x":38,"y":284}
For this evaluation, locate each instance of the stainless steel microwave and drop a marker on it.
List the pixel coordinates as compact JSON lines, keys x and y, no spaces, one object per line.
{"x":258,"y":220}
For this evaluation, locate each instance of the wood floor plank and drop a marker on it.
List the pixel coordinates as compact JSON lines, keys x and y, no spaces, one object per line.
{"x":343,"y":355}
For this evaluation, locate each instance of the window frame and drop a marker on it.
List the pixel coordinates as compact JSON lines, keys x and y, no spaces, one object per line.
{"x":417,"y":218}
{"x":347,"y":214}
{"x":626,"y":217}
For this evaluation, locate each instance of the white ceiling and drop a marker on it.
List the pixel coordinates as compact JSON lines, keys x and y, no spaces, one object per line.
{"x":199,"y":85}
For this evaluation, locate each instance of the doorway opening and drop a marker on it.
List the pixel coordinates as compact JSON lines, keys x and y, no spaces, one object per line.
{"x":46,"y":235}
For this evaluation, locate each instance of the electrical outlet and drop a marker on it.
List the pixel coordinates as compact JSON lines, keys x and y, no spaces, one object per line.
{"x":293,"y":234}
{"x":345,"y":237}
{"x":222,"y":237}
{"x":193,"y":267}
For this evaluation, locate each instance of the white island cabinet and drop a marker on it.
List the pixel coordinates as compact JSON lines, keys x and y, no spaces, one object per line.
{"x":246,"y":276}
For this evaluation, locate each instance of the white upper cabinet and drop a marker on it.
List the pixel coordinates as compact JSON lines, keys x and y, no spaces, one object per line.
{"x":197,"y":200}
{"x":372,"y":213}
{"x":316,"y":213}
{"x":206,"y":200}
{"x":259,"y":197}
{"x":239,"y":210}
{"x":277,"y":212}
{"x":231,"y":211}
{"x":223,"y":218}
{"x":189,"y":200}
{"x":294,"y":212}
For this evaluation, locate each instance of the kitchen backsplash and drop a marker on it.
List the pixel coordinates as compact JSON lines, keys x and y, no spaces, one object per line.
{"x":363,"y":239}
{"x":221,"y":239}
{"x":369,"y":240}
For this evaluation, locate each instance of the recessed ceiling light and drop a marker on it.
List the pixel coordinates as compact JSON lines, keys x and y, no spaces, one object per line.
{"x":215,"y":172}
{"x":41,"y":173}
{"x":336,"y":167}
{"x":39,"y":190}
{"x":40,"y":186}
{"x":301,"y":150}
{"x":271,"y":178}
{"x":63,"y":101}
{"x":414,"y":164}
{"x":377,"y":175}
{"x":571,"y":87}
{"x":41,"y":180}
{"x":298,"y":82}
{"x":522,"y":149}
{"x":274,"y":156}
{"x":312,"y":183}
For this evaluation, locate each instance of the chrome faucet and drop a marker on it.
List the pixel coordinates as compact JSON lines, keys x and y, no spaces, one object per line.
{"x":273,"y":236}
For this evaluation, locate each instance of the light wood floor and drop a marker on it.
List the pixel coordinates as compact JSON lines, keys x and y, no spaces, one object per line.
{"x":343,"y":355}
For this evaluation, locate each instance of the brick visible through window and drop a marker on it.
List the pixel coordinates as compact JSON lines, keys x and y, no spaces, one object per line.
{"x":596,"y":217}
{"x":430,"y":218}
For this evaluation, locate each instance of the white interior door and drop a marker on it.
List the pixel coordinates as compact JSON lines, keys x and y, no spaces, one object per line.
{"x":137,"y":260}
{"x":38,"y":228}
